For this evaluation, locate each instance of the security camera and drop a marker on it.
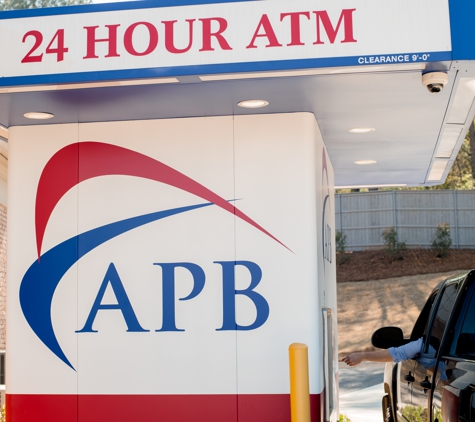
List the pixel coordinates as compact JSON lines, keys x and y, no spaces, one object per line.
{"x":435,"y":81}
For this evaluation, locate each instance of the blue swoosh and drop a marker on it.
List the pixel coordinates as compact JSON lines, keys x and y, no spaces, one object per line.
{"x":40,"y":281}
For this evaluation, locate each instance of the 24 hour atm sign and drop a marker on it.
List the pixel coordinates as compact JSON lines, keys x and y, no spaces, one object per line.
{"x":142,"y":38}
{"x":227,"y":33}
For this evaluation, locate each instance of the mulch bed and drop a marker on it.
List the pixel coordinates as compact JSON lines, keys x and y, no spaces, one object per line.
{"x":376,"y":264}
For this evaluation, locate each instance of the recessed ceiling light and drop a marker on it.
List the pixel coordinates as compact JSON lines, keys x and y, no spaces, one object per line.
{"x":365,"y":162}
{"x":362,"y":130}
{"x":38,"y":115}
{"x":253,"y":103}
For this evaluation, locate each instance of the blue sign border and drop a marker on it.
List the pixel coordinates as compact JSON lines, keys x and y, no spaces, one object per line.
{"x":280,"y":65}
{"x":463,"y":36}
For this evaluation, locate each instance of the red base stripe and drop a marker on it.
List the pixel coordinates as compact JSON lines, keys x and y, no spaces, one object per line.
{"x":153,"y":408}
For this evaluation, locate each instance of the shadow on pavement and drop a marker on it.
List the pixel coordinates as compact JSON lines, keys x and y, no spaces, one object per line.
{"x":359,"y":377}
{"x":361,"y":391}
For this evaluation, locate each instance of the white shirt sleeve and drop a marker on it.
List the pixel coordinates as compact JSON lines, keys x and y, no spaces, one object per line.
{"x":407,"y":351}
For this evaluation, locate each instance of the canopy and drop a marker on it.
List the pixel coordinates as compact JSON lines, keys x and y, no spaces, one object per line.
{"x":358,"y":67}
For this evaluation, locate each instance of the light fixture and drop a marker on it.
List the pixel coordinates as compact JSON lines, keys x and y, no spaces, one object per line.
{"x":371,"y":186}
{"x":365,"y":162}
{"x":361,"y":130}
{"x":105,"y":84}
{"x":312,"y":72}
{"x":463,"y":100}
{"x":448,"y":140}
{"x":38,"y":115}
{"x":437,"y":170}
{"x":253,"y":103}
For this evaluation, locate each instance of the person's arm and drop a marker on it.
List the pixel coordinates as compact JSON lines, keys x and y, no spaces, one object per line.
{"x":393,"y":354}
{"x":407,"y":351}
{"x":354,"y":359}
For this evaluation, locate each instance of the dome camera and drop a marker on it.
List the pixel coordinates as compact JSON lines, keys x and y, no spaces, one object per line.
{"x":435,"y":81}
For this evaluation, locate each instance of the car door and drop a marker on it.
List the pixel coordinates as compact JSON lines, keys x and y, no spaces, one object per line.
{"x":406,"y":369}
{"x":425,"y":364}
{"x":454,"y":395}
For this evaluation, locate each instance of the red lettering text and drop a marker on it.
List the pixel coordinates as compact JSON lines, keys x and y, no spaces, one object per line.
{"x":346,"y":16}
{"x":295,"y":26}
{"x":92,"y":40}
{"x":269,"y":33}
{"x":170,"y":37}
{"x":152,"y":39}
{"x":207,"y":34}
{"x":60,"y":49}
{"x":30,"y":58}
{"x":55,"y":46}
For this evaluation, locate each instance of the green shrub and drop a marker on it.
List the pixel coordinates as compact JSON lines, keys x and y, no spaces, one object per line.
{"x":442,"y":240}
{"x":393,"y":247}
{"x":340,"y":239}
{"x":415,"y":414}
{"x":343,"y":418}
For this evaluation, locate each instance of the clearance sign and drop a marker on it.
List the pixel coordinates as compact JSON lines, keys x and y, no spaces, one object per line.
{"x":220,"y":38}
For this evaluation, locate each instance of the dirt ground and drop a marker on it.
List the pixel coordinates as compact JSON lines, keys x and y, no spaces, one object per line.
{"x":376,"y":265}
{"x":392,"y":293}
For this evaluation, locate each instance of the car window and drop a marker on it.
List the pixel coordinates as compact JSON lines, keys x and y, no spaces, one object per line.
{"x":466,"y":341}
{"x":445,"y":306}
{"x":420,"y":327}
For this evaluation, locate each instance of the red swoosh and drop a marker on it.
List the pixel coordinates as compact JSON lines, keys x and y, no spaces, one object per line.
{"x":62,"y":172}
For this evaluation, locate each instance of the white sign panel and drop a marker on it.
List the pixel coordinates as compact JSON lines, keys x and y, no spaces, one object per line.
{"x":222,"y":38}
{"x":156,"y":262}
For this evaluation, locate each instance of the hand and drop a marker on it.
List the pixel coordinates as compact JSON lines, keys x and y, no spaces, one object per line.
{"x":353,"y":359}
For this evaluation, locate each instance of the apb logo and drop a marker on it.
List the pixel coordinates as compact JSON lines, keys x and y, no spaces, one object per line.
{"x":63,"y":172}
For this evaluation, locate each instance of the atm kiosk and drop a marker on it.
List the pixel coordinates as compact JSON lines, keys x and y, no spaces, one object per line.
{"x":171,"y":176}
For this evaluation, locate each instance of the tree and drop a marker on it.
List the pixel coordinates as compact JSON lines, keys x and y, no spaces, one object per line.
{"x":461,"y":175}
{"x":36,"y":4}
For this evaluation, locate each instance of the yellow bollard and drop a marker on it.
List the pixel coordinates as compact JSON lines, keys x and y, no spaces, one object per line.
{"x":299,"y":386}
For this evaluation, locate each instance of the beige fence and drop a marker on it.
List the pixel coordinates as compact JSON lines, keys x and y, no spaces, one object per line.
{"x":414,"y":214}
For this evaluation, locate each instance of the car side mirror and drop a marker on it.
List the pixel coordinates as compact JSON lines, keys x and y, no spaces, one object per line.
{"x":387,"y":337}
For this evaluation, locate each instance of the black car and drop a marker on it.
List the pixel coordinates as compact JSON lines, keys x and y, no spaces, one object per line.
{"x":438,"y":385}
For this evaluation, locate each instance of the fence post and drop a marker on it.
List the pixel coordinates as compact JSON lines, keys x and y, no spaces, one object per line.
{"x":456,"y":220}
{"x":341,"y":214}
{"x":394,"y":211}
